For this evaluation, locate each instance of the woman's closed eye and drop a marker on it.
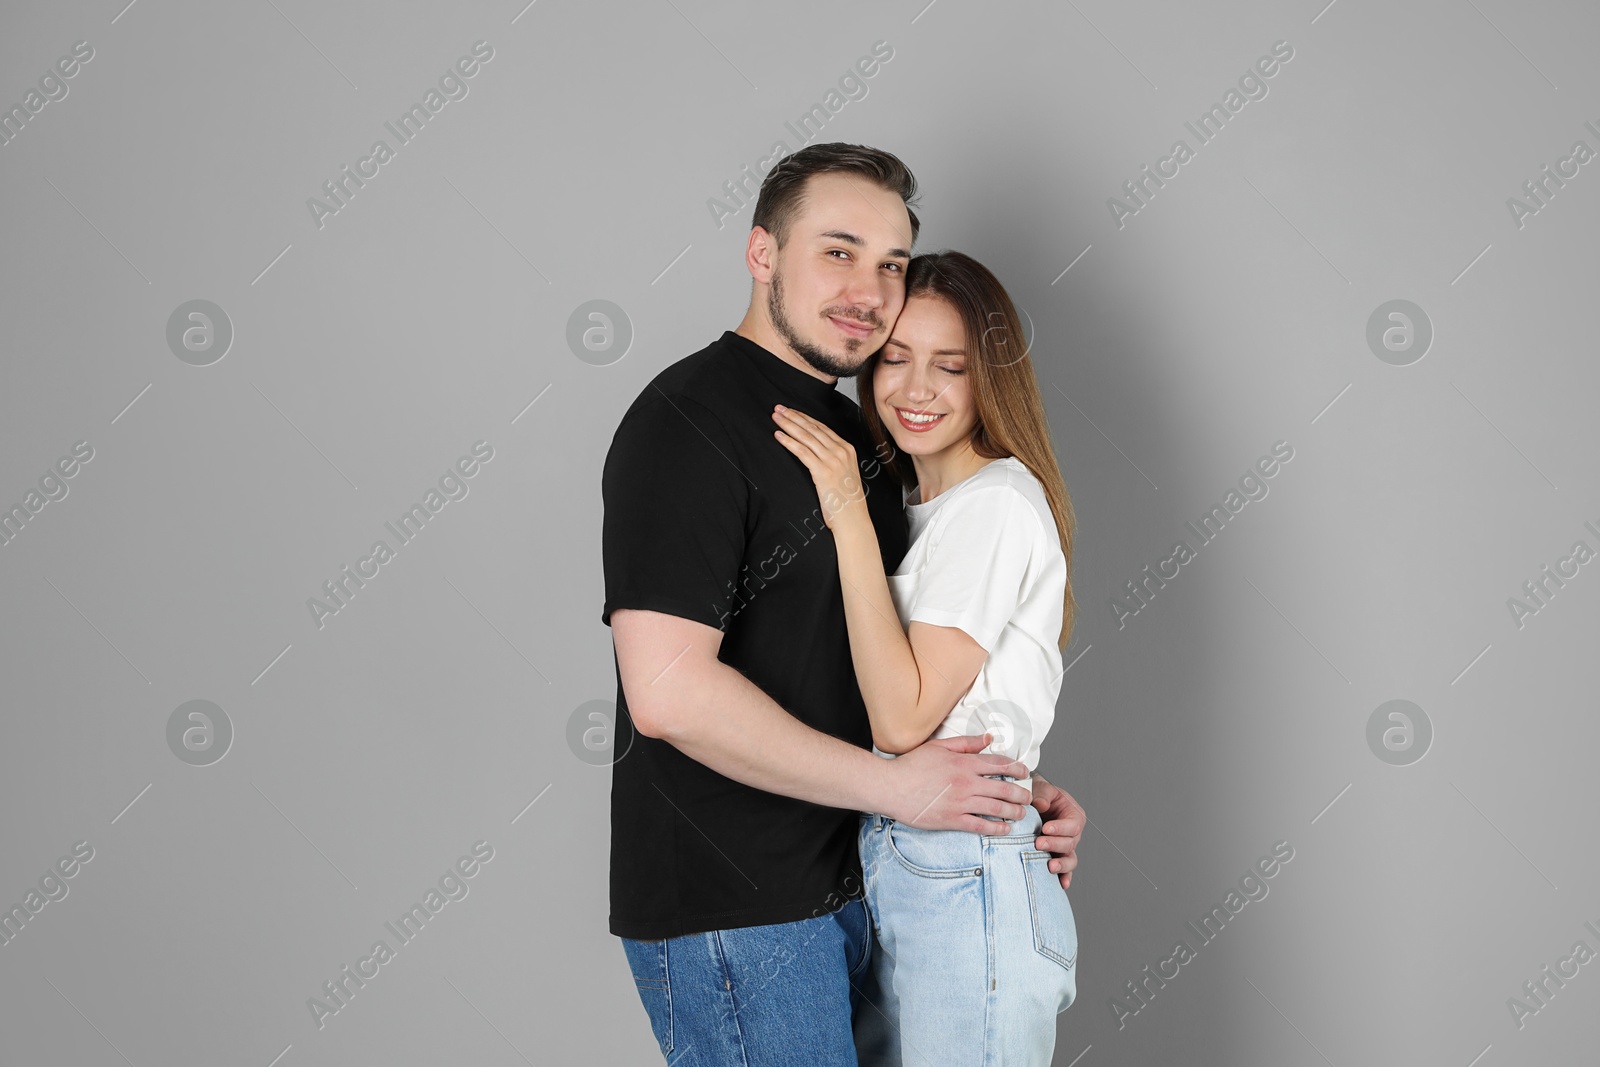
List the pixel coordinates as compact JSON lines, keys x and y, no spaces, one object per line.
{"x":897,"y":362}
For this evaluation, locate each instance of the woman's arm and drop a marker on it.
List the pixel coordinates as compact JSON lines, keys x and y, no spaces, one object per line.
{"x":909,"y":681}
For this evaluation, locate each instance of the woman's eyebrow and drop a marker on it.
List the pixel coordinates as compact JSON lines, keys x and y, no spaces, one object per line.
{"x":938,"y":351}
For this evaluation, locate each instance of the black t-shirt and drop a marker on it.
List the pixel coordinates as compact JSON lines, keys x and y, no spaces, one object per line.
{"x":709,"y":517}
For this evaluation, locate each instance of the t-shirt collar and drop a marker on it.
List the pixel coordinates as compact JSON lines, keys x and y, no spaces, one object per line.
{"x":790,"y":379}
{"x":920,"y":514}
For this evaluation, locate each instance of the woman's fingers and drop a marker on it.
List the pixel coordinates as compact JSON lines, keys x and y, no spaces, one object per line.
{"x":801,"y":447}
{"x":796,"y":439}
{"x":801,"y":428}
{"x":822,"y":438}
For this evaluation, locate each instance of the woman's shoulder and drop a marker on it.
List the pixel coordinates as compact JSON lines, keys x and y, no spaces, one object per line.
{"x":1007,"y":489}
{"x":1001,"y":485}
{"x":1008,"y":472}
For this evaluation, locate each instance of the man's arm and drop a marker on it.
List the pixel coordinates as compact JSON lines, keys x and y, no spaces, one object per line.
{"x":677,"y":690}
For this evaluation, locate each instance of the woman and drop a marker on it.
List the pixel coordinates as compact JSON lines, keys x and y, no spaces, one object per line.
{"x":976,"y":941}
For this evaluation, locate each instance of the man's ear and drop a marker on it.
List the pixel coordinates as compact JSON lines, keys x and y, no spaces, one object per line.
{"x":761,"y":254}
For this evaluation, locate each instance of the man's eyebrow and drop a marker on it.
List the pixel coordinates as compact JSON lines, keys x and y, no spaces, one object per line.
{"x":853,"y":239}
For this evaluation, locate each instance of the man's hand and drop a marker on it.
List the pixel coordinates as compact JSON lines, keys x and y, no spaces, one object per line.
{"x":940,"y":785}
{"x":1064,"y":819}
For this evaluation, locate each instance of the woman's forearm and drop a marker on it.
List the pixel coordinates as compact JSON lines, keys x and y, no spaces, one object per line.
{"x":887,"y":669}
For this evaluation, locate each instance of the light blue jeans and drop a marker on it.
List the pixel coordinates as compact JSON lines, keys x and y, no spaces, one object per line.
{"x":976,"y":948}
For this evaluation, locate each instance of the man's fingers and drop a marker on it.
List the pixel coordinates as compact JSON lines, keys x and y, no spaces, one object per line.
{"x":1055,"y":842}
{"x":964,"y":743}
{"x":994,"y":763}
{"x":1063,"y":864}
{"x":1009,"y":792}
{"x":978,"y":804}
{"x":1056,"y":845}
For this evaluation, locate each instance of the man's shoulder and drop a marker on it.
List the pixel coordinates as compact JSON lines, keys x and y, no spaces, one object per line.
{"x":703,"y":379}
{"x":697,"y":391}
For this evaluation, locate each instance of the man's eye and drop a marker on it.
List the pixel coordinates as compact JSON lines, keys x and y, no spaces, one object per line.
{"x":898,"y":269}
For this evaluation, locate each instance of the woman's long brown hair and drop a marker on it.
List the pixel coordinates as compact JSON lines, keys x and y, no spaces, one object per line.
{"x":1011,"y":417}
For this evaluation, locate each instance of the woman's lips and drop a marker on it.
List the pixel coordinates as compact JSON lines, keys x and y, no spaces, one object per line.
{"x":918,"y":427}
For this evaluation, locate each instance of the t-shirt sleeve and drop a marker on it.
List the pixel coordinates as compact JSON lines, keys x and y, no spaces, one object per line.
{"x":673,"y":532}
{"x":974,"y":572}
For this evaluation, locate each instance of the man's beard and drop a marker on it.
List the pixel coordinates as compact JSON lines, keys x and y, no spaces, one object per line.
{"x":821,"y":359}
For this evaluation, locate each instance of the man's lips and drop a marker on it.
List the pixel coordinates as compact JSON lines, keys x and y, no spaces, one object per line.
{"x":852,"y":327}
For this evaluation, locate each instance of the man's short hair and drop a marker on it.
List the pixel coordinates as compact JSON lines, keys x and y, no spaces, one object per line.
{"x":783,"y":189}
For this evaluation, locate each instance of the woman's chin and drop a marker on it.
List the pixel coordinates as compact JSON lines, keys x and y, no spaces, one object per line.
{"x":914,"y":444}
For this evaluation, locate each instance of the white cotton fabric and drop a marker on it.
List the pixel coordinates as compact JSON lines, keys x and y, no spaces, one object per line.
{"x":985,"y":558}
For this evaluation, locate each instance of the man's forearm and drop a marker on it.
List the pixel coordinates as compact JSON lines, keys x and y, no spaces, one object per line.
{"x":732,"y":726}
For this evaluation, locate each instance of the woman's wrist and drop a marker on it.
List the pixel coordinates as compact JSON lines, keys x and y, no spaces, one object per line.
{"x":852,"y":527}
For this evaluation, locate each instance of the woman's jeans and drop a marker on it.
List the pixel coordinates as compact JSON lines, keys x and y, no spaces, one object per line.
{"x":976,"y":947}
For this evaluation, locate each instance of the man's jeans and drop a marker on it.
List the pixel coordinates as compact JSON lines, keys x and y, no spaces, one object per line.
{"x":767,"y":996}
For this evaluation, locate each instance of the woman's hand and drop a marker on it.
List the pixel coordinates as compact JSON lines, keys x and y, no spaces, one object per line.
{"x":832,"y":463}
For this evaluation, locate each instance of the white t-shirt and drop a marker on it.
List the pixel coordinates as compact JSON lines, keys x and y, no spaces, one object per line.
{"x":985,"y":558}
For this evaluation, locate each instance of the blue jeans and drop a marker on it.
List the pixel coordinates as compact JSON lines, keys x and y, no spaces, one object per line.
{"x":976,"y":947}
{"x":780,"y":995}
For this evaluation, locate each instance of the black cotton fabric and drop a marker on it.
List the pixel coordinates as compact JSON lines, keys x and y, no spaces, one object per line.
{"x":708,"y":517}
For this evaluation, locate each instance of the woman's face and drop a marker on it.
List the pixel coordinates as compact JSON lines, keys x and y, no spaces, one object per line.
{"x":922,"y":370}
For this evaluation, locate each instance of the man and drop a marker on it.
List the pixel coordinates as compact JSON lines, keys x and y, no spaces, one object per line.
{"x":735,"y":881}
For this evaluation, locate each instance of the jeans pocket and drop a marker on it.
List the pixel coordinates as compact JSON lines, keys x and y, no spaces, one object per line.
{"x":648,"y":962}
{"x":935,"y":853}
{"x":1055,"y":932}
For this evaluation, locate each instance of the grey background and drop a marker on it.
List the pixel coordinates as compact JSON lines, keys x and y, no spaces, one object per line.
{"x":431,"y":312}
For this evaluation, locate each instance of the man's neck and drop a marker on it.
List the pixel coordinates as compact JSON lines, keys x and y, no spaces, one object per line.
{"x":756,"y":327}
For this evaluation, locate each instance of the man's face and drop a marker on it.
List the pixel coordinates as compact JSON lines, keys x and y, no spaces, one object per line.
{"x":838,"y":282}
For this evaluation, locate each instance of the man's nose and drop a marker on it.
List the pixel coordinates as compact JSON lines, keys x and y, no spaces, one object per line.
{"x":864,"y":294}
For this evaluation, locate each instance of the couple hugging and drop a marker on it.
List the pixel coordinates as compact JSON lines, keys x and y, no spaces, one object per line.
{"x":828,"y":842}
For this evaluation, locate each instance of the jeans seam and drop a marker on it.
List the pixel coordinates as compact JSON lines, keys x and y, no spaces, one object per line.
{"x":732,"y":1001}
{"x":666,"y":978}
{"x":866,"y":935}
{"x":662,"y":985}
